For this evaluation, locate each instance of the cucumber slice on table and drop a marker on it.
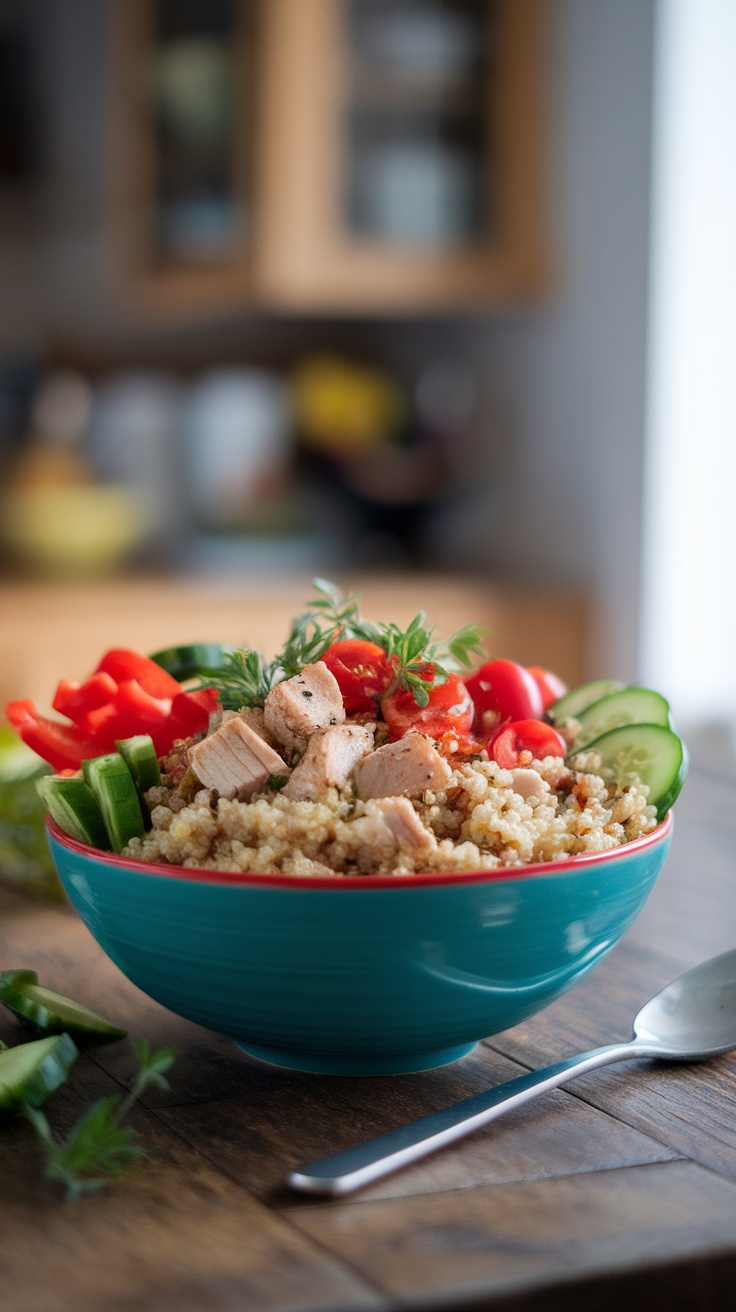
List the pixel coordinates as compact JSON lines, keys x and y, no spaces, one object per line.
{"x":113,"y":786}
{"x":649,"y":752}
{"x":13,"y":979}
{"x":629,"y":706}
{"x":74,"y":807}
{"x":140,"y":757}
{"x":578,"y":699}
{"x":31,"y":1071}
{"x":52,"y":1013}
{"x":197,"y":658}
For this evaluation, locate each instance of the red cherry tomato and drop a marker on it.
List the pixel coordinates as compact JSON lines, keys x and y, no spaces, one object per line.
{"x":501,"y":691}
{"x":534,"y":736}
{"x":362,"y":670}
{"x":550,"y":685}
{"x":449,"y":709}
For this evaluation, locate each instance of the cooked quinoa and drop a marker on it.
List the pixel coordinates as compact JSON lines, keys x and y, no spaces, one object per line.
{"x":480,"y":822}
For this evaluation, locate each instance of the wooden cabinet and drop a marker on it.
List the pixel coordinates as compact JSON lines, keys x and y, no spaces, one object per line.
{"x":365,"y":155}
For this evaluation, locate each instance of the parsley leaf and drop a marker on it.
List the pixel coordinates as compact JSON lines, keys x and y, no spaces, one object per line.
{"x":98,"y":1149}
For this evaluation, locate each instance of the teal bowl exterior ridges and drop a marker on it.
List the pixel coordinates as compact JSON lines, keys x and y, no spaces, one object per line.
{"x":359,"y":975}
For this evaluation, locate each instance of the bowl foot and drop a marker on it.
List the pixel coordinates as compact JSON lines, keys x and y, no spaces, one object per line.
{"x":416,"y":1061}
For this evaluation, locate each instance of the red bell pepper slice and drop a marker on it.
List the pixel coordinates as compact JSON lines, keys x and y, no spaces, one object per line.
{"x":75,"y":700}
{"x":64,"y":746}
{"x":190,"y":713}
{"x":124,"y":665}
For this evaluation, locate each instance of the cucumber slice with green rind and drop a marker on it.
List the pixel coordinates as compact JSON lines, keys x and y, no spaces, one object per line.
{"x":629,"y":706}
{"x":31,"y":1071}
{"x":140,"y":757}
{"x":74,"y":807}
{"x":197,"y":658}
{"x":651,"y":753}
{"x":12,"y":979}
{"x":48,"y":1012}
{"x":580,"y":698}
{"x":113,"y":786}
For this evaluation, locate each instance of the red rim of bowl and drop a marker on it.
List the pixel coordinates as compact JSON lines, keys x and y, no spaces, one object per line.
{"x":362,"y":881}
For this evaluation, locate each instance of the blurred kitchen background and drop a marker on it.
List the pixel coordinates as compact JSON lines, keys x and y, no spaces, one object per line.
{"x":437,"y":297}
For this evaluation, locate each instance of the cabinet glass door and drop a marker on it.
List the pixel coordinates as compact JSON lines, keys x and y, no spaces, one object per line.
{"x":419,"y":158}
{"x":199,"y":202}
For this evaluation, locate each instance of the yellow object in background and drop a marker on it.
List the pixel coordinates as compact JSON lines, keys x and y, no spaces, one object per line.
{"x":344,"y":408}
{"x":68,"y":531}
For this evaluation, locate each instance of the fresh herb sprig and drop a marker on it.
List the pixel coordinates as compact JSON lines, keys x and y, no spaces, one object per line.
{"x":98,"y":1149}
{"x":329,"y":616}
{"x":423,"y":664}
{"x":245,"y":679}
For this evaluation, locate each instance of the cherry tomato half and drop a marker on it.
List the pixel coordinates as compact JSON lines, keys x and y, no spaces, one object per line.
{"x":534,"y":736}
{"x":449,"y":709}
{"x":550,"y":685}
{"x":362,"y":670}
{"x":502,"y":690}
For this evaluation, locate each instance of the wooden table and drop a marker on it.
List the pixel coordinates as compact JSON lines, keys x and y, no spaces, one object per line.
{"x":617,"y":1192}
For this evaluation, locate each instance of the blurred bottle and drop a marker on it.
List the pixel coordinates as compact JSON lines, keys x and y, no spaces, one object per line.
{"x":238,"y":451}
{"x":134,"y":440}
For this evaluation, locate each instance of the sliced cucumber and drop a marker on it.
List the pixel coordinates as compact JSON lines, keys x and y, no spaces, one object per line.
{"x":198,"y":658}
{"x":140,"y":757}
{"x":651,"y":753}
{"x":15,"y":978}
{"x":52,"y":1013}
{"x":31,"y":1071}
{"x":580,"y":698}
{"x":112,"y":784}
{"x":74,"y":807}
{"x":629,"y":706}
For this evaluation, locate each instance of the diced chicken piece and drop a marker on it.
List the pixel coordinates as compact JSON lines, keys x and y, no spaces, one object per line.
{"x":297,"y":707}
{"x":255,"y":718}
{"x":527,"y":783}
{"x":402,"y":769}
{"x":412,"y":837}
{"x":329,"y":759}
{"x":390,"y":823}
{"x":236,"y":761}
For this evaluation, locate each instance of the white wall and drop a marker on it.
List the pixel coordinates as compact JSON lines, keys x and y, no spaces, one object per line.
{"x":689,"y":575}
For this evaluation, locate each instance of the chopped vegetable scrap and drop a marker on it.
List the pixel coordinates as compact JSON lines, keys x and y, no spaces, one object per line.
{"x":360,"y":748}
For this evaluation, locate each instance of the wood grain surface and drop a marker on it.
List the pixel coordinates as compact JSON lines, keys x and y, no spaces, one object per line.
{"x":618,"y":1191}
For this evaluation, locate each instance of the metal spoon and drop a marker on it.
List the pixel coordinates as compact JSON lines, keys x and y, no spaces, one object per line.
{"x":693,"y":1018}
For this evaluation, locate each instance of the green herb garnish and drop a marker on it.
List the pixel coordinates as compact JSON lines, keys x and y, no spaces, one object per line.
{"x":245,"y":679}
{"x":276,"y":781}
{"x":421,"y":663}
{"x":98,"y":1149}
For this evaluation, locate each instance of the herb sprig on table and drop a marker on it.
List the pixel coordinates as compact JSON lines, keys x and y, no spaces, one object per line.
{"x":99,"y":1149}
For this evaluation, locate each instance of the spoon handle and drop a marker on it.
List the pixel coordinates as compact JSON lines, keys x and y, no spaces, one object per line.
{"x":342,"y":1173}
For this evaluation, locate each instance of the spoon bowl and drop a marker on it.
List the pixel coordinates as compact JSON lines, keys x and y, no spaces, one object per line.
{"x":694,"y":1017}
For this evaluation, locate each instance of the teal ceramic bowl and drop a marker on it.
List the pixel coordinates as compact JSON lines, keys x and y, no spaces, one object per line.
{"x":359,"y":975}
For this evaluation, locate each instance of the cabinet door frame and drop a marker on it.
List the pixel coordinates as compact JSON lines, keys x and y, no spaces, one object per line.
{"x":145,"y":284}
{"x":304,"y":259}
